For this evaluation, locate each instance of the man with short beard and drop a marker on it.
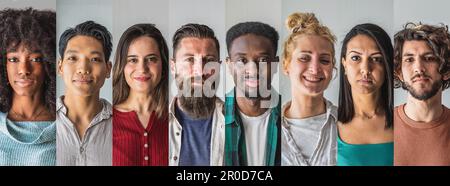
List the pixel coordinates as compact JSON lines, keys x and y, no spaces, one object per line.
{"x":252,"y":108}
{"x":196,"y":121}
{"x":422,"y":67}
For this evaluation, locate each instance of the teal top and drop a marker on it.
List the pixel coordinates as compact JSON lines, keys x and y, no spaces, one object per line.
{"x":29,"y":143}
{"x":381,"y":154}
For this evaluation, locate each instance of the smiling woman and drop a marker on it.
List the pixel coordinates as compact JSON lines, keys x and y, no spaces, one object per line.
{"x":27,"y":87}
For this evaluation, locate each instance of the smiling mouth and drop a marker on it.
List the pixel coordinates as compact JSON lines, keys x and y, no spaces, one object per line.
{"x":251,"y":82}
{"x":142,"y":79}
{"x":313,"y":79}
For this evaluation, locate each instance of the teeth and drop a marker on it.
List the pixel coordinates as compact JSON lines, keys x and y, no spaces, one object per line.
{"x":309,"y":78}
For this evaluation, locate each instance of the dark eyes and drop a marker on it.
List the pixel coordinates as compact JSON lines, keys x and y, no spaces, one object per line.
{"x":259,"y":60}
{"x":74,"y":59}
{"x":148,"y":59}
{"x":376,"y":59}
{"x":424,"y":58}
{"x":15,"y":60}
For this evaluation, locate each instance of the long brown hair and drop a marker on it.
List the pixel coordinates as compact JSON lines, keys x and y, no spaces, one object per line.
{"x":121,"y":89}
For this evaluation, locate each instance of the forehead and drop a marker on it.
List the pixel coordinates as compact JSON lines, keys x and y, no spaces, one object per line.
{"x":313,"y":43}
{"x":251,"y":42}
{"x":194,"y":45}
{"x":22,"y":47}
{"x":84,"y":44}
{"x":142,"y":44}
{"x":415,"y":46}
{"x":361,"y":42}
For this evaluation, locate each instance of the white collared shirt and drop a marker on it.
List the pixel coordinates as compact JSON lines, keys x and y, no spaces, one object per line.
{"x":324,"y":150}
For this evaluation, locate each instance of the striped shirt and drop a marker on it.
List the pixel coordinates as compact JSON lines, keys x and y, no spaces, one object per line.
{"x":95,"y":149}
{"x":134,"y":145}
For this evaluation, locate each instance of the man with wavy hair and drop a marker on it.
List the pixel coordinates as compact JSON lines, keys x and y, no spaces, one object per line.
{"x":422,"y":67}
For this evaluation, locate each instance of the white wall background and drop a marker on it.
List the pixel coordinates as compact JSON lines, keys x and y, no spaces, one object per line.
{"x":340,"y":16}
{"x":37,"y":4}
{"x":428,"y":12}
{"x":73,"y":12}
{"x":168,"y":15}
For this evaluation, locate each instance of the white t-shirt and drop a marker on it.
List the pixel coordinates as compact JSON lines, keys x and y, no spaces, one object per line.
{"x":307,"y":133}
{"x":255,"y":129}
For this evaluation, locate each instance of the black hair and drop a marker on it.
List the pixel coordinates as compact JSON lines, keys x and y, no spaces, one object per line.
{"x":256,"y":28}
{"x":346,"y":110}
{"x":88,"y":28}
{"x":34,"y":29}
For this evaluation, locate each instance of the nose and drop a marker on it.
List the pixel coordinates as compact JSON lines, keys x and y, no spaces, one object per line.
{"x":197,"y":67}
{"x":251,"y":68}
{"x":418,"y":66}
{"x":83,"y":66}
{"x":24,"y":67}
{"x":314,"y":67}
{"x":365,"y":67}
{"x":142,"y":65}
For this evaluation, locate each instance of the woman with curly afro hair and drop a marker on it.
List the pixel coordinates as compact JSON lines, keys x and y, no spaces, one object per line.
{"x":27,"y":87}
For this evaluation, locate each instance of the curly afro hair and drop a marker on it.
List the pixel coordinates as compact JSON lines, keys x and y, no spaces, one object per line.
{"x":34,"y":29}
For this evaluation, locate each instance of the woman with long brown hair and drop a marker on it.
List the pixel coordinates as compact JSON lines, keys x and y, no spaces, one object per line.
{"x":140,"y":98}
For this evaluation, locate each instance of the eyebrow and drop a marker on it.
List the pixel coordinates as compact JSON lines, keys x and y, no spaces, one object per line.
{"x":148,"y":55}
{"x":411,"y":54}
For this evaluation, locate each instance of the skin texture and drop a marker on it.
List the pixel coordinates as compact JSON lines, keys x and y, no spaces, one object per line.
{"x":26,"y":76}
{"x":364,"y":70}
{"x":142,"y":73}
{"x":249,"y":64}
{"x":310,"y":72}
{"x":419,"y":71}
{"x":84,"y":71}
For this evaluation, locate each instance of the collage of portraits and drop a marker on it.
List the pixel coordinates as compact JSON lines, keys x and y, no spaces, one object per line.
{"x":224,"y":83}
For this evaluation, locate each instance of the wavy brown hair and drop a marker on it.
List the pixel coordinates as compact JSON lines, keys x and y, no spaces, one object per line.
{"x":121,"y":89}
{"x":436,"y":37}
{"x":35,"y":29}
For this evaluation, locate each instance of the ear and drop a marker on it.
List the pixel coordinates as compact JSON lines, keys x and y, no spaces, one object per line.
{"x":446,"y":76}
{"x":398,"y":73}
{"x":172,"y":66}
{"x":108,"y":69}
{"x":59,"y":67}
{"x":344,"y":64}
{"x":285,"y":68}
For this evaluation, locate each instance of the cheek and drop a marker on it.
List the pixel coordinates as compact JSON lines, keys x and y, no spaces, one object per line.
{"x":156,"y":70}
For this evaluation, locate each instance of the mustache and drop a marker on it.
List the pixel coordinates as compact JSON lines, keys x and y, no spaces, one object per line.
{"x":420,"y":76}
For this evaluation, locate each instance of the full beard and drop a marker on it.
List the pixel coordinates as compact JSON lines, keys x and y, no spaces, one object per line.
{"x":435,"y":87}
{"x":194,"y":105}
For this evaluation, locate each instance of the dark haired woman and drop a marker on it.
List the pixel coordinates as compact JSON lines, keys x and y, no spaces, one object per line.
{"x":365,"y":98}
{"x":140,"y":85}
{"x":27,"y":87}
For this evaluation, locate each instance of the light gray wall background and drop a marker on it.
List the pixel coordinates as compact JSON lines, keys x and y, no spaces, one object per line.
{"x":428,"y":12}
{"x":73,"y":12}
{"x":168,"y":15}
{"x":340,"y":16}
{"x":37,"y":4}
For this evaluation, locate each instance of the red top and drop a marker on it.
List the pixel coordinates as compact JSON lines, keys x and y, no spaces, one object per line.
{"x":135,"y":146}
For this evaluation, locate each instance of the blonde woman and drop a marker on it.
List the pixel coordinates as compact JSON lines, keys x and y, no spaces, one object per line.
{"x":308,"y":120}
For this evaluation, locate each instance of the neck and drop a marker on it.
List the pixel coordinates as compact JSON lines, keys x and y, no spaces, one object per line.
{"x":139,"y":102}
{"x":82,"y":108}
{"x":424,"y":110}
{"x":366,"y":104}
{"x":28,"y":107}
{"x":304,"y":106}
{"x":250,"y":107}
